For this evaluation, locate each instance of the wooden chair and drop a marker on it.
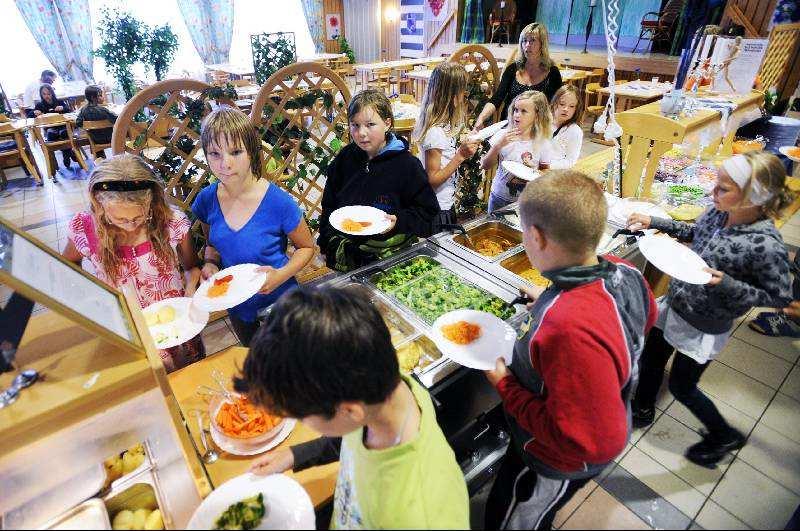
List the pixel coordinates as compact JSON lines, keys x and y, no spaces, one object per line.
{"x":661,"y":28}
{"x":401,"y":80}
{"x":342,"y":66}
{"x":97,"y":125}
{"x":220,"y":78}
{"x":382,"y":80}
{"x":502,"y":20}
{"x":14,"y":146}
{"x":49,"y":147}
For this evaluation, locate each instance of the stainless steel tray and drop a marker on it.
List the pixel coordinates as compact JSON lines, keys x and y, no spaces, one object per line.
{"x":91,"y":514}
{"x":478,"y":229}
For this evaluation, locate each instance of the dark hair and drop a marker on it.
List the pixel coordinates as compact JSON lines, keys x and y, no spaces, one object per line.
{"x":48,"y":73}
{"x":317,"y":349}
{"x":93,"y":93}
{"x":48,"y":87}
{"x":577,"y":118}
{"x":372,"y":98}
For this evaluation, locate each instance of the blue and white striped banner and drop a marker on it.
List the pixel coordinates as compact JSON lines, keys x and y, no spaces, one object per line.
{"x":412,"y":28}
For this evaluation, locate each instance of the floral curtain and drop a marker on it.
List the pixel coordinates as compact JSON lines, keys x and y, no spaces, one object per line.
{"x":63,"y":30}
{"x":315,"y":17}
{"x":210,"y":23}
{"x":472,"y":29}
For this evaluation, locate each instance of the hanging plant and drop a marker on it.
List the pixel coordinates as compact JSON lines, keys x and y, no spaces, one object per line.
{"x":469,"y":185}
{"x":344,"y":47}
{"x":160,"y":49}
{"x":123,"y":42}
{"x":271,"y":52}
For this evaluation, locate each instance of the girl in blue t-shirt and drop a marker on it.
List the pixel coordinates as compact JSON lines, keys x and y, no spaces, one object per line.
{"x":246,"y":219}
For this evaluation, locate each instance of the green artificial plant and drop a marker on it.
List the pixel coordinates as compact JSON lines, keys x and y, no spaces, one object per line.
{"x":162,"y":44}
{"x":124,"y":41}
{"x":345,"y":48}
{"x":271,"y":52}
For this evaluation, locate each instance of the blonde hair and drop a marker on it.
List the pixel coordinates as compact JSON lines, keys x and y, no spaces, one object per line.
{"x":577,"y":118}
{"x":448,"y":81}
{"x":568,"y":207}
{"x":127,"y":167}
{"x":542,"y":127}
{"x":236,"y":129}
{"x":771,"y":173}
{"x":540,"y":30}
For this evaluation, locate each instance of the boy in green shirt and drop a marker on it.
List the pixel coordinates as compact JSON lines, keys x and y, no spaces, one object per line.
{"x":325,"y":356}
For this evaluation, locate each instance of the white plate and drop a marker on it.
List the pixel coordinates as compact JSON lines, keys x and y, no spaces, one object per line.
{"x":497,"y":340}
{"x":189,"y":322}
{"x":235,"y":447}
{"x":378,"y":218}
{"x":785,"y":151}
{"x":287,"y":504}
{"x":488,"y":132}
{"x":674,"y":259}
{"x":246,"y":283}
{"x":519,"y":170}
{"x":620,"y":211}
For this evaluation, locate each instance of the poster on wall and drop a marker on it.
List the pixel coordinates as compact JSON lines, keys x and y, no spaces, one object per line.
{"x":412,"y":28}
{"x":333,"y":23}
{"x":436,"y":10}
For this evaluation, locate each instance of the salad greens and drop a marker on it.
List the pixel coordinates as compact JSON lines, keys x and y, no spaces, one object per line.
{"x":686,"y":191}
{"x":430,"y":290}
{"x":244,"y":514}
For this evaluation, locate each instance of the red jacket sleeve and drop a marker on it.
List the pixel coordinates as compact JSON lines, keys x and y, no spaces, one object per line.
{"x":581,"y":413}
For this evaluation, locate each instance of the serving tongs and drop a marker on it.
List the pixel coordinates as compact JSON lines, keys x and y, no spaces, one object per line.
{"x":632,"y":235}
{"x":523,"y":299}
{"x":453,"y":228}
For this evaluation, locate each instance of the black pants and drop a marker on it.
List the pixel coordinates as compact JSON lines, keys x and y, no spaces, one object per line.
{"x":244,"y":330}
{"x":683,"y":379}
{"x":60,"y":133}
{"x":515,"y":502}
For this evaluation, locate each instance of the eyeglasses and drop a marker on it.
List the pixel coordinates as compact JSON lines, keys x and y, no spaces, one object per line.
{"x":135,"y":222}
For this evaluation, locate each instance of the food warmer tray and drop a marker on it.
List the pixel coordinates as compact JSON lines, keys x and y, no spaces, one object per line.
{"x":478,"y":229}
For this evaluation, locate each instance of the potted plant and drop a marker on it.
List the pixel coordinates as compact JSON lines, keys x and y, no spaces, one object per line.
{"x":271,"y":52}
{"x":344,"y":47}
{"x":123,"y":39}
{"x":160,"y":49}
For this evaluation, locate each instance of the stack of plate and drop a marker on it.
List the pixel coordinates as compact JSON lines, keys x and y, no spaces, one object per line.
{"x":620,"y":211}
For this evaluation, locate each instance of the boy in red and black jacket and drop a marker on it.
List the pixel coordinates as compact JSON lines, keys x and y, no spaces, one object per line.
{"x":575,"y":367}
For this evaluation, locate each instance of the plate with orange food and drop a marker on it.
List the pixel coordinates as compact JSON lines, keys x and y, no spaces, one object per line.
{"x":241,"y":428}
{"x":229,"y":287}
{"x":791,"y":152}
{"x":360,"y":220}
{"x":474,"y":339}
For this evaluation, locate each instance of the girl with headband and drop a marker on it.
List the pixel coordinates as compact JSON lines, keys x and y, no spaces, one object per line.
{"x":749,"y":266}
{"x":132,"y":236}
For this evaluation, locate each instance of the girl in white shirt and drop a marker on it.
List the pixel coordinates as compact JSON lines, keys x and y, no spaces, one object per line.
{"x":567,"y":108}
{"x":525,"y":139}
{"x":442,"y":120}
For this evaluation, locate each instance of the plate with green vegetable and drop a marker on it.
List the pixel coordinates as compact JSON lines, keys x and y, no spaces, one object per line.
{"x":256,"y":502}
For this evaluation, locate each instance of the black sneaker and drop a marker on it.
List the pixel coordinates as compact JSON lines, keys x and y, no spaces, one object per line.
{"x":643,"y":417}
{"x":712,"y":449}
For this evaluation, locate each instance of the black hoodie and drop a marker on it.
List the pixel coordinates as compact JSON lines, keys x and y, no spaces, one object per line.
{"x":394,"y":181}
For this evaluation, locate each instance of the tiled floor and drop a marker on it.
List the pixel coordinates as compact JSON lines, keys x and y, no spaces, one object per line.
{"x":755,"y":383}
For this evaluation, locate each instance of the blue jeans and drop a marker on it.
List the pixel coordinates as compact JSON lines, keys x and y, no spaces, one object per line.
{"x":496,"y":203}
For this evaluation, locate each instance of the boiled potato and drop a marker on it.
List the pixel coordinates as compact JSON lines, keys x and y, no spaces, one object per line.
{"x":131,"y":462}
{"x":154,"y":521}
{"x":113,"y":468}
{"x":136,"y":449}
{"x":123,"y":520}
{"x":139,"y":518}
{"x":166,"y":314}
{"x":151,"y":318}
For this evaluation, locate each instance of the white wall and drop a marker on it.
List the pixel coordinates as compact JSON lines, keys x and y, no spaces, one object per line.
{"x":363,"y":28}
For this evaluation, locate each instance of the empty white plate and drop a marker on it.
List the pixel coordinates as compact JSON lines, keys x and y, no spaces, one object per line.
{"x":620,"y":211}
{"x":488,"y":132}
{"x":246,"y":283}
{"x":287,"y":504}
{"x":674,"y":259}
{"x":496,"y":340}
{"x":379,"y":222}
{"x":518,"y":169}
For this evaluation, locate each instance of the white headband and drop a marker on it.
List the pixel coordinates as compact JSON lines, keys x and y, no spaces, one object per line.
{"x":739,"y":170}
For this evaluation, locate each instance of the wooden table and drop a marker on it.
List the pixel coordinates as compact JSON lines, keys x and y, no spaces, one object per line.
{"x":234,"y":69}
{"x":364,"y":71}
{"x":634,"y":93}
{"x":319,"y":482}
{"x":325,"y":58}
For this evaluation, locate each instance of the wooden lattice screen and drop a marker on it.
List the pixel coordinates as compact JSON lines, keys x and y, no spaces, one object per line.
{"x":162,"y":124}
{"x":781,"y":66}
{"x":484,"y":74}
{"x":271,"y":52}
{"x":302,"y":113}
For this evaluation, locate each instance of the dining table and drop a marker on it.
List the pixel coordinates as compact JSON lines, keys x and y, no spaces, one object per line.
{"x":635,"y":93}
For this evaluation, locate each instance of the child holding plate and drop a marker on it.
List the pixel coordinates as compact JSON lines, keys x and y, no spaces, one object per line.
{"x":525,"y":140}
{"x":375,"y":170}
{"x":132,"y":236}
{"x":749,"y":267}
{"x":245,"y":218}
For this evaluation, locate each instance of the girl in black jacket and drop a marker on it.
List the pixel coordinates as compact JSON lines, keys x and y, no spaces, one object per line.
{"x":48,"y":103}
{"x":375,"y":169}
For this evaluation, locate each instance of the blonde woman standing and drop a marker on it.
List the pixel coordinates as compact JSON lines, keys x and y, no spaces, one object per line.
{"x":440,"y":124}
{"x":534,"y":69}
{"x":131,"y":236}
{"x":526,"y":139}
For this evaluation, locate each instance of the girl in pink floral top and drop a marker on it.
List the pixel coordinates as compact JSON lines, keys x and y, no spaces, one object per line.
{"x":131,"y":236}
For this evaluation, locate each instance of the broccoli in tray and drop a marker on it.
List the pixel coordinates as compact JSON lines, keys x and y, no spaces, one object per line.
{"x":244,"y":514}
{"x":404,"y":273}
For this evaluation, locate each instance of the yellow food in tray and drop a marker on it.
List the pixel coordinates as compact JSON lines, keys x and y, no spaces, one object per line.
{"x":124,"y":463}
{"x":535,"y":277}
{"x":138,"y":519}
{"x":492,"y":247}
{"x":409,"y":355}
{"x":686,"y":212}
